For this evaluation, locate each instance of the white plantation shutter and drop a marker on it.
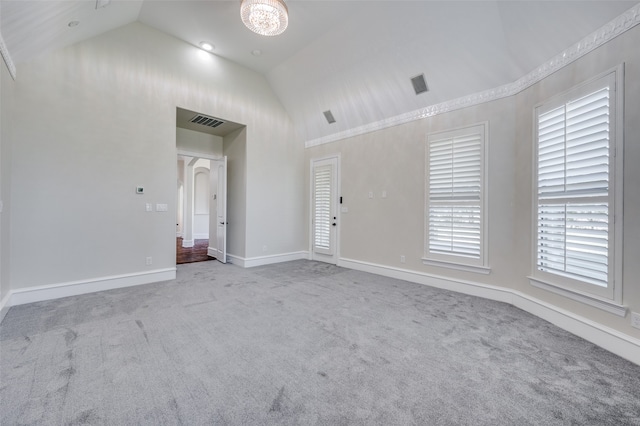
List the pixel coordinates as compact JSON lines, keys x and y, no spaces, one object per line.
{"x":322,"y":184}
{"x":455,"y":181}
{"x":573,"y":230}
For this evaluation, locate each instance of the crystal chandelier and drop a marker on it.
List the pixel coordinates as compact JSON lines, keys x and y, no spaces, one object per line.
{"x":265,"y":17}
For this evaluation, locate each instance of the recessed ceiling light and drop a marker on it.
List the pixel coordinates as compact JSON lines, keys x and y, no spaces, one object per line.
{"x":256,"y":52}
{"x":207,"y":46}
{"x":73,"y":24}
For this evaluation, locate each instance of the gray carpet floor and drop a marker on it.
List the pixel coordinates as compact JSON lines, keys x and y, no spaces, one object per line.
{"x":301,"y":343}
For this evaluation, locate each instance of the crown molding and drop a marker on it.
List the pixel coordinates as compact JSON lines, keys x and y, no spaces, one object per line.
{"x":7,"y":58}
{"x":609,"y":31}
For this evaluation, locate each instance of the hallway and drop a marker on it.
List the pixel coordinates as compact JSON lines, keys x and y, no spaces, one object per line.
{"x":197,"y":253}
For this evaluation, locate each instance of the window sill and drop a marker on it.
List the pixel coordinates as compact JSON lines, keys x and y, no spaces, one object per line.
{"x":457,"y":266}
{"x":588,"y":299}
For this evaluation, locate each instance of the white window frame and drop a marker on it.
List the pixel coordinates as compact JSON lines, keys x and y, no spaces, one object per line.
{"x":453,"y":261}
{"x":608,"y":298}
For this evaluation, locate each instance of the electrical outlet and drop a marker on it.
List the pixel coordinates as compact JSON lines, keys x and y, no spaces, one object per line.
{"x":402,"y":259}
{"x":149,"y":260}
{"x":635,"y":319}
{"x":265,"y":248}
{"x":370,"y":194}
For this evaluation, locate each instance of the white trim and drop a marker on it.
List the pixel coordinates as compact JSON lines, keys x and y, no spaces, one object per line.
{"x":235,"y":260}
{"x":212,"y":252}
{"x":432,"y":280}
{"x":575,"y":287}
{"x":198,"y":154}
{"x":74,"y":288}
{"x":457,"y":266}
{"x":4,"y":306}
{"x":187,"y":243}
{"x":200,"y":236}
{"x":4,"y":51}
{"x":267,"y":260}
{"x":338,"y":207}
{"x":451,"y":260}
{"x":588,"y":299}
{"x":609,"y":31}
{"x":619,"y":343}
{"x":618,"y":184}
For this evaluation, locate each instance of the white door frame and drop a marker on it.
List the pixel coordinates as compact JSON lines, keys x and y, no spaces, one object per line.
{"x":221,"y":209}
{"x":336,"y":210}
{"x":182,"y":152}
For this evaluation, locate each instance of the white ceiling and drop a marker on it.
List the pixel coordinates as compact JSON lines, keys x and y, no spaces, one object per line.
{"x":355,"y":57}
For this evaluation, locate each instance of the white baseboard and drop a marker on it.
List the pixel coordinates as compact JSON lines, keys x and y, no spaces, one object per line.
{"x":74,"y":288}
{"x":187,"y":243}
{"x":179,"y":234}
{"x":467,"y":287}
{"x":619,"y":343}
{"x":4,"y":306}
{"x":267,"y":260}
{"x":213,"y":252}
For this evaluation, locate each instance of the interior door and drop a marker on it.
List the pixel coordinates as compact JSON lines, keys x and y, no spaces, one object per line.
{"x":324,"y":209}
{"x":221,"y":213}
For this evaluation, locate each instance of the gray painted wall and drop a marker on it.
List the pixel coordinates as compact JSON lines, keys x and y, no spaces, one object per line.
{"x":106,"y":122}
{"x":198,"y":142}
{"x":380,"y":230}
{"x":6,"y":101}
{"x":235,"y":148}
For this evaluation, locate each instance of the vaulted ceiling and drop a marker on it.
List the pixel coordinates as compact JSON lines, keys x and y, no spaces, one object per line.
{"x":355,"y":58}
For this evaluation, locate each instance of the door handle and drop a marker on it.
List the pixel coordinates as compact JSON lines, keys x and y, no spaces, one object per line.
{"x":333,"y":224}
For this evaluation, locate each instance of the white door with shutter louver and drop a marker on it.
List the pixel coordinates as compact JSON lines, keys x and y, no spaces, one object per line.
{"x":324,"y":211}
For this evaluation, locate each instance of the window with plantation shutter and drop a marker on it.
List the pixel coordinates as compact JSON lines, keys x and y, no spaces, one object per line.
{"x":575,"y":181}
{"x":455,"y":197}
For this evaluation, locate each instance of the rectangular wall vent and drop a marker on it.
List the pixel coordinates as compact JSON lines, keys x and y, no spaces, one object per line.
{"x":329,"y":116}
{"x":419,"y":84}
{"x":206,"y":120}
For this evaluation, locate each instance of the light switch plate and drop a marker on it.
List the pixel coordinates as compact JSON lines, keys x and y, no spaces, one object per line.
{"x":162,"y":207}
{"x":149,"y":207}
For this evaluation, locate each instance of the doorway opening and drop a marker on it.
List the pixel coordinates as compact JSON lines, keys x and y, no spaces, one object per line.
{"x":192,"y":245}
{"x":201,"y":216}
{"x":197,"y":253}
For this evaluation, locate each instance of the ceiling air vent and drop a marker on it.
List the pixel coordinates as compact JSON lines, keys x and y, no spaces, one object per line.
{"x":419,"y":84}
{"x":329,"y":116}
{"x":206,"y":120}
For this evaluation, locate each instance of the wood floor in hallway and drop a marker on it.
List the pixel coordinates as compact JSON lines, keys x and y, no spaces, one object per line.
{"x":197,"y":253}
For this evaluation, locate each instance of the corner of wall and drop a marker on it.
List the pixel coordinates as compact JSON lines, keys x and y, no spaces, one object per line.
{"x":6,"y":137}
